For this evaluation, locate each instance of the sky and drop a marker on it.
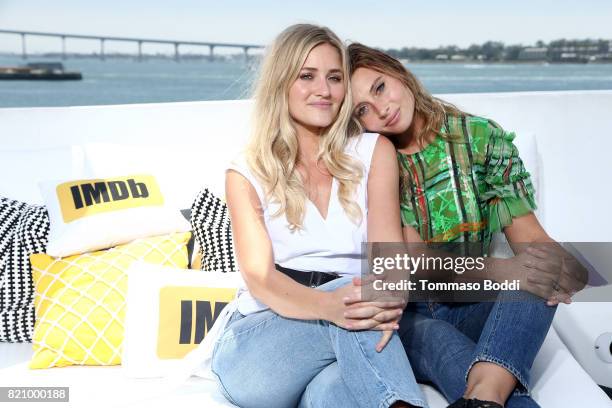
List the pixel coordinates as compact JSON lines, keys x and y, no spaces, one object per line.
{"x":383,"y":23}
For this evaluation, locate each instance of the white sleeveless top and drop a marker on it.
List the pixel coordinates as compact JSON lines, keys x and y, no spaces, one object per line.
{"x":331,"y":244}
{"x":326,"y":245}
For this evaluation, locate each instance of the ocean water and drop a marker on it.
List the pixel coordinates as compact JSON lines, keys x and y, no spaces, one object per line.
{"x":120,"y":81}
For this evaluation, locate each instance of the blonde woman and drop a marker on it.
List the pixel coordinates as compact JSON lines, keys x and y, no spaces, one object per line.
{"x":306,"y":194}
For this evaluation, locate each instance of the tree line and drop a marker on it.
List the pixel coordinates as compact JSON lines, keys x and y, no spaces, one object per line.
{"x":498,"y":51}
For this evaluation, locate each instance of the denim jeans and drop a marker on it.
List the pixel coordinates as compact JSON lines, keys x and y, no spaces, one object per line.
{"x":266,"y":360}
{"x":444,"y":340}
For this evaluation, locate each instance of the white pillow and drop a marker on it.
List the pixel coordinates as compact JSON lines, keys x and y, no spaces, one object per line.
{"x":91,"y":214}
{"x":164,"y":320}
{"x":23,"y":169}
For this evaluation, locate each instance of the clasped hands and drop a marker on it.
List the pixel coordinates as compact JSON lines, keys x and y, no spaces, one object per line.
{"x":353,"y":311}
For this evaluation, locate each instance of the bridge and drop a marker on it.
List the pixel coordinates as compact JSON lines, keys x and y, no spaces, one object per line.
{"x":139,"y":41}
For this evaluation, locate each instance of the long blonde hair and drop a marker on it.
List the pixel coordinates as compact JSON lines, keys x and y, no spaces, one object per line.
{"x":432,"y":109}
{"x":272,"y":152}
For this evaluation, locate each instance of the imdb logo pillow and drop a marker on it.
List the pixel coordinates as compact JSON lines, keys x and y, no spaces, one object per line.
{"x":186,"y":314}
{"x":169,"y":312}
{"x":82,"y":198}
{"x":93,"y":214}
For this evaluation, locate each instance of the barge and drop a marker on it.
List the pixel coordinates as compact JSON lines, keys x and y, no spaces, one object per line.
{"x":47,"y":71}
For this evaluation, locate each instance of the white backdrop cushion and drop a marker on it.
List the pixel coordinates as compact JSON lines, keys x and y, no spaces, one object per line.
{"x":182,"y":169}
{"x":23,"y":169}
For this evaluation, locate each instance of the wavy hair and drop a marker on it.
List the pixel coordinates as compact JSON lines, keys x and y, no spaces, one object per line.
{"x":272,"y":151}
{"x":432,"y":109}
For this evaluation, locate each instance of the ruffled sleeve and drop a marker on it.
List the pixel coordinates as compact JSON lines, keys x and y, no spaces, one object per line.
{"x":509,"y":190}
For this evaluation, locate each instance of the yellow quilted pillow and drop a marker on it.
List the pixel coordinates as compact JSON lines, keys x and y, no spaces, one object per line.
{"x":80,"y":300}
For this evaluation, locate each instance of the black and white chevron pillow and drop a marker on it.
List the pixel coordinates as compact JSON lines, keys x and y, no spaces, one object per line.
{"x":213,"y":233}
{"x":23,"y":231}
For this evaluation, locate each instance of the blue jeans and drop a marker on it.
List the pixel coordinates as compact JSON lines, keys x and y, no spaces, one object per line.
{"x":444,"y":340}
{"x":266,"y":360}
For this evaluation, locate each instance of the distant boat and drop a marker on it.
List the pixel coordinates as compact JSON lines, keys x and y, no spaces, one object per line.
{"x":48,"y":71}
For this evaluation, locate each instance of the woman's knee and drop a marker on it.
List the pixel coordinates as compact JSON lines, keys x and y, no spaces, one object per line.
{"x":254,"y":388}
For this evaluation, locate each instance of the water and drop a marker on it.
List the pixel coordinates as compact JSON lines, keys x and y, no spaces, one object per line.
{"x":118,"y":81}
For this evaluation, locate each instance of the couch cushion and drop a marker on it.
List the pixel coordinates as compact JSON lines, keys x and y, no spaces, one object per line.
{"x":104,"y":387}
{"x":559,"y":381}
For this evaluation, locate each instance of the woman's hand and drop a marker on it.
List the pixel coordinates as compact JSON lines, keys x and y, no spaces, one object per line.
{"x":386,"y":312}
{"x":348,"y":310}
{"x":520,"y":267}
{"x":543,"y":266}
{"x":547,"y":271}
{"x":552,"y":266}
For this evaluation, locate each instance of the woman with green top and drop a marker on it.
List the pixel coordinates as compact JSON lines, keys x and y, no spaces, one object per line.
{"x":461,"y":181}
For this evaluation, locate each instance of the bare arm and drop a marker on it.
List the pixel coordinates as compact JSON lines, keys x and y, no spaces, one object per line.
{"x":254,"y":252}
{"x":523,"y":230}
{"x":384,"y":223}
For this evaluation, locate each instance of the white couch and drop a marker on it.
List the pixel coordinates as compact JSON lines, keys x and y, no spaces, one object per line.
{"x":191,"y":142}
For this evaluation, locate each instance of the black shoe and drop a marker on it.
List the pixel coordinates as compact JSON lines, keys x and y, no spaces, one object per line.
{"x":474,"y":403}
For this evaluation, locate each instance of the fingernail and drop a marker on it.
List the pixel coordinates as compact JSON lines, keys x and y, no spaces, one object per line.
{"x":396,"y":327}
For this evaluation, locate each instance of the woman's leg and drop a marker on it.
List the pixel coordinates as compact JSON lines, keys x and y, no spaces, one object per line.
{"x":327,"y":390}
{"x":439,"y":353}
{"x":265,"y":360}
{"x":514,"y":330}
{"x":508,"y":332}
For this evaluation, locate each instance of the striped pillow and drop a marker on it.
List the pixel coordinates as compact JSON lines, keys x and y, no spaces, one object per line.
{"x":213,"y":233}
{"x":23,"y":231}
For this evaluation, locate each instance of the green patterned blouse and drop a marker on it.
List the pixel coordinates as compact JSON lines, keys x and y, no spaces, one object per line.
{"x":467,"y":187}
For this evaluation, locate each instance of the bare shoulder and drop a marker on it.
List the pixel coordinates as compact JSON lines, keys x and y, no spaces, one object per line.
{"x":384,"y":147}
{"x":236,"y":181}
{"x":239,"y":191}
{"x":384,"y":158}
